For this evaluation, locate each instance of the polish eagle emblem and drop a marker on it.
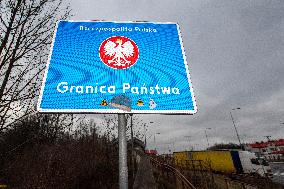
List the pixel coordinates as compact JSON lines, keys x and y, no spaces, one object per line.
{"x":119,"y":52}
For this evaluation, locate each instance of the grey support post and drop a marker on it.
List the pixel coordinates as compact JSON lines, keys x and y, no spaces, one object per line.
{"x":123,"y":170}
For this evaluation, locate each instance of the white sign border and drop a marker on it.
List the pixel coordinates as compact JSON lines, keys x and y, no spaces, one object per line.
{"x":112,"y":111}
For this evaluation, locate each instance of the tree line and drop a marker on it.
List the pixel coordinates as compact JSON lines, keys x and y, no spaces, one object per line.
{"x":40,"y":151}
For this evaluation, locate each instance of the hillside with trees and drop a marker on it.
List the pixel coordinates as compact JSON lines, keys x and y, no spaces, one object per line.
{"x":39,"y":152}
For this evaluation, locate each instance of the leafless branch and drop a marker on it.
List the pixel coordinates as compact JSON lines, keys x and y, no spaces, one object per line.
{"x":26,"y":31}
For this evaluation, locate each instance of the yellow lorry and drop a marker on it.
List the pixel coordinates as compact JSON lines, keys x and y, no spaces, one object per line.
{"x":224,"y":161}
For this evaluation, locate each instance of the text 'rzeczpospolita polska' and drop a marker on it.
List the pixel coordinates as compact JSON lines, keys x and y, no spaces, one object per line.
{"x":118,"y":29}
{"x":63,"y":87}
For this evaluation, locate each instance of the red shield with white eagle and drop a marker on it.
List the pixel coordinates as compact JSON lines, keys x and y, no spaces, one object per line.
{"x":119,"y":52}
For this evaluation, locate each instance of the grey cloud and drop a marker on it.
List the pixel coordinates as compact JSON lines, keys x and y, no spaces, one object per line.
{"x":235,"y":54}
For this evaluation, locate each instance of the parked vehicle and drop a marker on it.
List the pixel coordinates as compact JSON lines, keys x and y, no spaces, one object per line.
{"x":223,"y":161}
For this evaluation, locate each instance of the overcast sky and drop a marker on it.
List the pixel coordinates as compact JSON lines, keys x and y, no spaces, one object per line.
{"x":235,"y":52}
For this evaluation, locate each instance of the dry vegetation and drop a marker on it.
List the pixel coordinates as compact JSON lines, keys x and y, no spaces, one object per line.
{"x":35,"y":156}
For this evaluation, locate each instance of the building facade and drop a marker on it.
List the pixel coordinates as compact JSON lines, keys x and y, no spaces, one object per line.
{"x":272,"y":150}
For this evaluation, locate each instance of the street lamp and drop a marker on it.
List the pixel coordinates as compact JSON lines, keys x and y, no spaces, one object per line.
{"x":207,"y":136}
{"x":236,"y":127}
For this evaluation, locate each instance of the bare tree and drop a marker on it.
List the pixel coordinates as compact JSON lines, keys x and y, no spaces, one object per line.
{"x":26,"y":28}
{"x":110,"y":126}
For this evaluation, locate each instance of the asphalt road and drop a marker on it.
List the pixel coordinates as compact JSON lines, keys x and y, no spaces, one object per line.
{"x":278,"y":172}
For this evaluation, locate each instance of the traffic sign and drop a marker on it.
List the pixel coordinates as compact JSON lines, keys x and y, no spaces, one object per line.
{"x":92,"y":63}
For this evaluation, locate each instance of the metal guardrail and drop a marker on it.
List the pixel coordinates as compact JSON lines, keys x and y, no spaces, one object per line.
{"x":182,"y":179}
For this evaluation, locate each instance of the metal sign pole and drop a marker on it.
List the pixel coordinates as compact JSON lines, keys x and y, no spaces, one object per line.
{"x":123,"y":171}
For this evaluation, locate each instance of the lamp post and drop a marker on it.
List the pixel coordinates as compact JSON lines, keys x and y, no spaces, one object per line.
{"x":207,"y":136}
{"x":236,"y":127}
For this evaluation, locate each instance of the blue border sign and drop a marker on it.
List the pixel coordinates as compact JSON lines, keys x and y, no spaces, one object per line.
{"x":99,"y":66}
